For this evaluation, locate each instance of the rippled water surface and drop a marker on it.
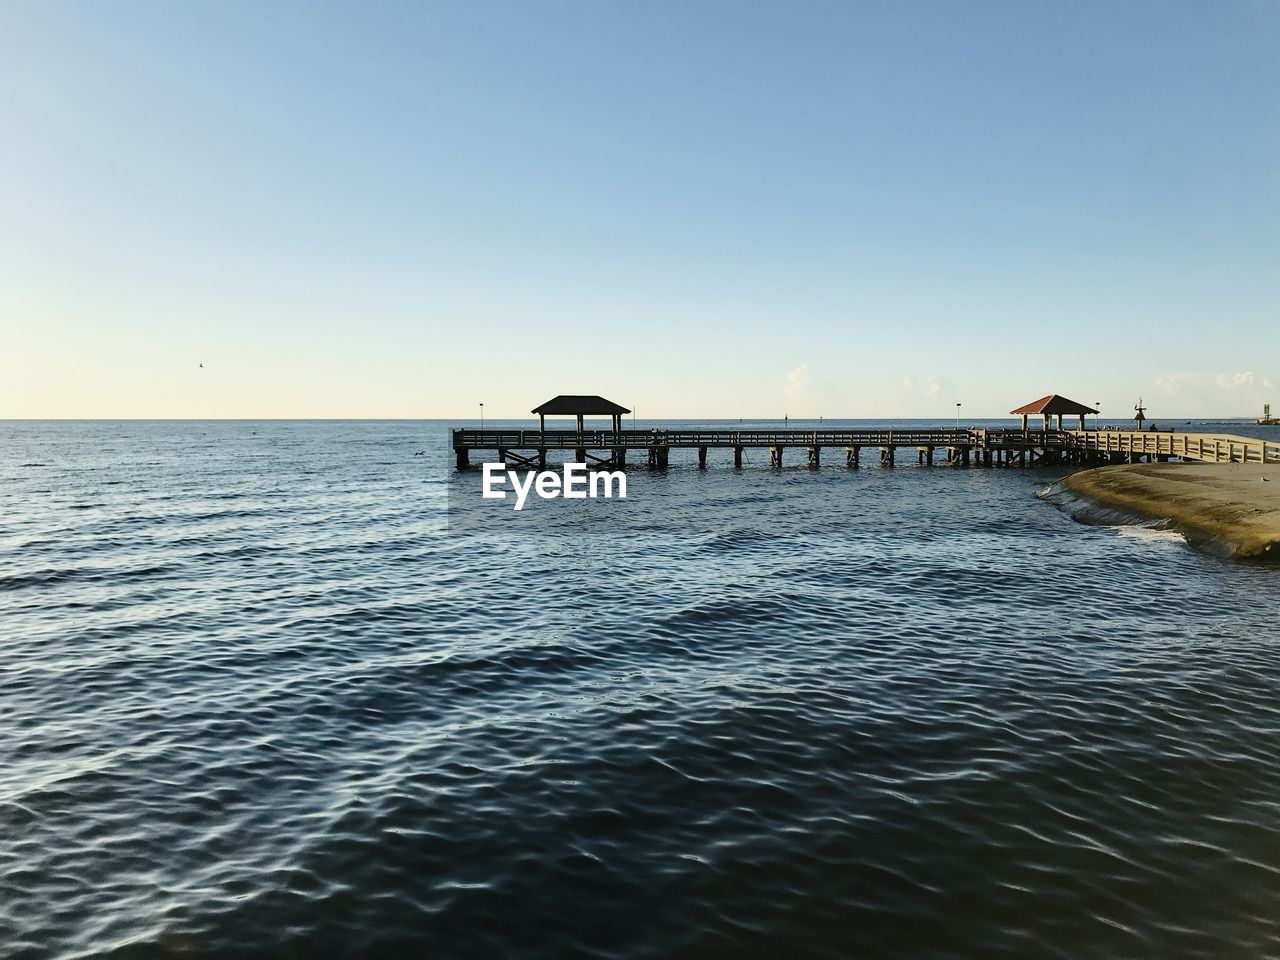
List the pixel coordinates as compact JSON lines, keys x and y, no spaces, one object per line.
{"x":260,"y":698}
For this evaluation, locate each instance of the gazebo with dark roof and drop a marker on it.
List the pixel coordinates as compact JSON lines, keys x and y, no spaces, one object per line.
{"x":567,"y":405}
{"x":1053,"y":405}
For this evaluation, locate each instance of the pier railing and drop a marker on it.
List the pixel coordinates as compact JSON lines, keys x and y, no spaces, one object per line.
{"x":1207,"y":447}
{"x":636,"y":439}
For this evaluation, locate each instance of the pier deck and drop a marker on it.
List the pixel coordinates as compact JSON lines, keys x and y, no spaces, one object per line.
{"x":963,"y":446}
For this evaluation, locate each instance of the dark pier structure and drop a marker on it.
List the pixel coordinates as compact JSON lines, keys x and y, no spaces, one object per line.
{"x":949,"y":446}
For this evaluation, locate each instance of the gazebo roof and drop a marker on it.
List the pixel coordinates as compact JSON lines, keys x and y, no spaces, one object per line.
{"x":571,"y":405}
{"x":1054,"y":404}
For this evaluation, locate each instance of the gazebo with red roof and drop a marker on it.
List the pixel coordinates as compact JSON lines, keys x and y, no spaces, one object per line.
{"x":1053,"y":405}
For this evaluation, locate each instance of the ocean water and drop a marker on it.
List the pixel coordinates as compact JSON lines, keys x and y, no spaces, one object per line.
{"x":279,"y":689}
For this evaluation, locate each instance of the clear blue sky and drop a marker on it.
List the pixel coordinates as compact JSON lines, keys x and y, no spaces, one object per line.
{"x":700,"y":209}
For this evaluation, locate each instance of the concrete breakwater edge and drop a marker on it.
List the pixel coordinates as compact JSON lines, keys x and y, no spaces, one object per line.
{"x":1228,"y":509}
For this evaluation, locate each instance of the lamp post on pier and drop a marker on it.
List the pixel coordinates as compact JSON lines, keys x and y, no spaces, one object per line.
{"x":957,"y":416}
{"x":482,"y":416}
{"x":1097,"y":413}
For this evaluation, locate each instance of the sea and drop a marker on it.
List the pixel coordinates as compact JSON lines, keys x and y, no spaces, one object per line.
{"x":292,"y":689}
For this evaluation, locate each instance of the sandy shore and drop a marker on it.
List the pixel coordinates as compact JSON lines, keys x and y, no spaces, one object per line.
{"x":1229,"y":508}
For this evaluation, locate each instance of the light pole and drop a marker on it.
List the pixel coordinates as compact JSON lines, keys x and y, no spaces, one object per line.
{"x":957,"y":416}
{"x":482,"y":416}
{"x":1097,"y":413}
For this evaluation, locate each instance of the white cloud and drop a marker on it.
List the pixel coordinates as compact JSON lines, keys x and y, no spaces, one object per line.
{"x":798,"y":379}
{"x":1216,"y":395}
{"x":808,"y":395}
{"x":799,"y":392}
{"x":1234,"y":381}
{"x":930,"y":386}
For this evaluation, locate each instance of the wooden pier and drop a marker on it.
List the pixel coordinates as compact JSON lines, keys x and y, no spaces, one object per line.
{"x":956,"y":447}
{"x":1133,"y":446}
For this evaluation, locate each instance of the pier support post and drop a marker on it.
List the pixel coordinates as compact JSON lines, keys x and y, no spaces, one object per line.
{"x":702,"y":458}
{"x":851,"y":456}
{"x":737,"y":456}
{"x":886,"y":456}
{"x":815,"y":456}
{"x":542,"y":458}
{"x":464,"y":459}
{"x":580,"y":454}
{"x":619,"y":456}
{"x":775,"y":456}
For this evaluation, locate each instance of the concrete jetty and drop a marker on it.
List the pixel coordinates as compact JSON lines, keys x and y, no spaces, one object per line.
{"x":1232,"y":509}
